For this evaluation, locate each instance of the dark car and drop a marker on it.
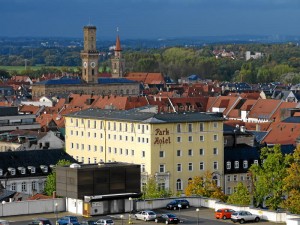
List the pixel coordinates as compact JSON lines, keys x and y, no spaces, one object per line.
{"x":167,"y":219}
{"x":68,"y":220}
{"x":88,"y":222}
{"x":178,"y":203}
{"x":40,"y":221}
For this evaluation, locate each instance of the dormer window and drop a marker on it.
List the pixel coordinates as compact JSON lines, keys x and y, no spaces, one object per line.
{"x":1,"y":172}
{"x":44,"y":168}
{"x":12,"y":171}
{"x":32,"y":169}
{"x":22,"y":170}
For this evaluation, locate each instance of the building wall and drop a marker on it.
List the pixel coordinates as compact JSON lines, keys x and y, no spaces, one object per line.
{"x":39,"y":90}
{"x":154,"y":146}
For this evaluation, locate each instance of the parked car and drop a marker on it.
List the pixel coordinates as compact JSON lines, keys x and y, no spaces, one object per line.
{"x":244,"y":216}
{"x":105,"y":222}
{"x":167,"y":219}
{"x":88,"y":222}
{"x":4,"y":222}
{"x":146,"y":215}
{"x":178,"y":203}
{"x":40,"y":221}
{"x":67,"y":220}
{"x":223,"y":213}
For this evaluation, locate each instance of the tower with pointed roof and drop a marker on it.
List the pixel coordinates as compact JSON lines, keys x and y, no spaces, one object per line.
{"x":90,"y":55}
{"x":117,"y":62}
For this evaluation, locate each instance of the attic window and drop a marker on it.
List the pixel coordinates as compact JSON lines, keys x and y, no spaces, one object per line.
{"x":32,"y":169}
{"x":44,"y":168}
{"x":22,"y":170}
{"x":12,"y":171}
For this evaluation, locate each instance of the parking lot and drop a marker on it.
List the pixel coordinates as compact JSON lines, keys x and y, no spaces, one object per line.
{"x":187,"y":216}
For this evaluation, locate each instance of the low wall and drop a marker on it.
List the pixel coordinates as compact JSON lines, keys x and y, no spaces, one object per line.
{"x":278,"y":217}
{"x":33,"y":207}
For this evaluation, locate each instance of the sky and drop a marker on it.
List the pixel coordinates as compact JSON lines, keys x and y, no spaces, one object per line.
{"x":149,"y":19}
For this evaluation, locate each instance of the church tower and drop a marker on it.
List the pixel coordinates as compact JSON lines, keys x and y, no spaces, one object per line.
{"x":117,"y":62}
{"x":90,"y":55}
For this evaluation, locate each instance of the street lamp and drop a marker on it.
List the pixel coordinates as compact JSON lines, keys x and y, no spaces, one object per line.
{"x":56,"y":212}
{"x":129,"y":220}
{"x":179,"y":207}
{"x":197,"y":210}
{"x":121,"y":216}
{"x":3,"y":203}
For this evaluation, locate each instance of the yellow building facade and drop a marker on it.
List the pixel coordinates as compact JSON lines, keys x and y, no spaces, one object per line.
{"x":171,"y":147}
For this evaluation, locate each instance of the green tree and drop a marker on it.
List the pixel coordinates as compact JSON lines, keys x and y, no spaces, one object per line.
{"x":50,"y":185}
{"x":241,"y":196}
{"x":4,"y":74}
{"x":151,"y":190}
{"x":292,"y":184}
{"x":268,"y":177}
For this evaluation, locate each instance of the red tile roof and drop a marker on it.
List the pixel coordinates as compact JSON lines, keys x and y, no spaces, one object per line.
{"x":146,"y":78}
{"x":264,"y":108}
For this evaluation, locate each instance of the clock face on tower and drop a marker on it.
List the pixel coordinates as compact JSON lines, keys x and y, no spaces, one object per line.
{"x":93,"y":64}
{"x":85,"y":64}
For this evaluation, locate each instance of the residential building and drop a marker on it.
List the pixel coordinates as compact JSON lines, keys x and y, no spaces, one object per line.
{"x":171,"y":147}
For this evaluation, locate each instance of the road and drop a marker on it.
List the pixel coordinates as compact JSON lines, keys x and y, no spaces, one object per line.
{"x":187,"y":216}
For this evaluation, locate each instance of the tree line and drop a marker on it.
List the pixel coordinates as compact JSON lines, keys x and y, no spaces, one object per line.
{"x":280,"y":62}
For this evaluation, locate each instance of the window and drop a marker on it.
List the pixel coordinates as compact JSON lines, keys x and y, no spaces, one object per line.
{"x":228,"y":190}
{"x":190,"y":152}
{"x":95,"y":160}
{"x":178,"y":128}
{"x":215,"y":165}
{"x":88,"y":134}
{"x":13,"y":186}
{"x":115,"y":150}
{"x":95,"y":135}
{"x":190,"y":127}
{"x":89,"y":147}
{"x":245,"y":164}
{"x":161,"y":154}
{"x":201,"y":151}
{"x":82,"y":146}
{"x":201,"y":165}
{"x":24,"y":186}
{"x":126,"y":152}
{"x":234,"y":177}
{"x":161,"y":186}
{"x":132,"y":152}
{"x":178,"y":185}
{"x":143,"y":168}
{"x":190,"y":138}
{"x":201,"y":128}
{"x":143,"y":154}
{"x":33,"y":185}
{"x":72,"y":145}
{"x":109,"y":149}
{"x":82,"y":159}
{"x":178,"y":139}
{"x":228,"y":178}
{"x":120,"y":137}
{"x":71,"y":132}
{"x":236,"y":164}
{"x":178,"y":152}
{"x":215,"y":125}
{"x":255,"y":162}
{"x":201,"y":138}
{"x":242,"y":178}
{"x":95,"y":148}
{"x":215,"y":151}
{"x":101,"y":148}
{"x":121,"y":151}
{"x":215,"y":137}
{"x":89,"y":160}
{"x":161,"y":168}
{"x":179,"y":167}
{"x":228,"y":165}
{"x":190,"y":166}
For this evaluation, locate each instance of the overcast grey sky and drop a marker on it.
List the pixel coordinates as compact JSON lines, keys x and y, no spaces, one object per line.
{"x":149,"y":18}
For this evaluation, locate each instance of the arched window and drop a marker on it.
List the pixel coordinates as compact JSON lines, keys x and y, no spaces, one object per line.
{"x":190,"y":180}
{"x":178,"y":185}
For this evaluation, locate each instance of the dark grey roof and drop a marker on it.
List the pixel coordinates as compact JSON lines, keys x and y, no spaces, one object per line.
{"x":259,"y":135}
{"x":146,"y":117}
{"x":6,"y":194}
{"x":108,"y":80}
{"x":62,"y":81}
{"x":35,"y":158}
{"x":293,"y":119}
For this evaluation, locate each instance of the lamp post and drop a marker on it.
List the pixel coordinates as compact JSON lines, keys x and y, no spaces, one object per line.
{"x":121,"y":216}
{"x":129,"y":220}
{"x":179,"y":207}
{"x":56,"y":212}
{"x":197,"y":210}
{"x":3,"y":203}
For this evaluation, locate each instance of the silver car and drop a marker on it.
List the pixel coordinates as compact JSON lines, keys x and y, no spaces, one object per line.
{"x":105,"y":222}
{"x":244,"y":216}
{"x":146,"y":215}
